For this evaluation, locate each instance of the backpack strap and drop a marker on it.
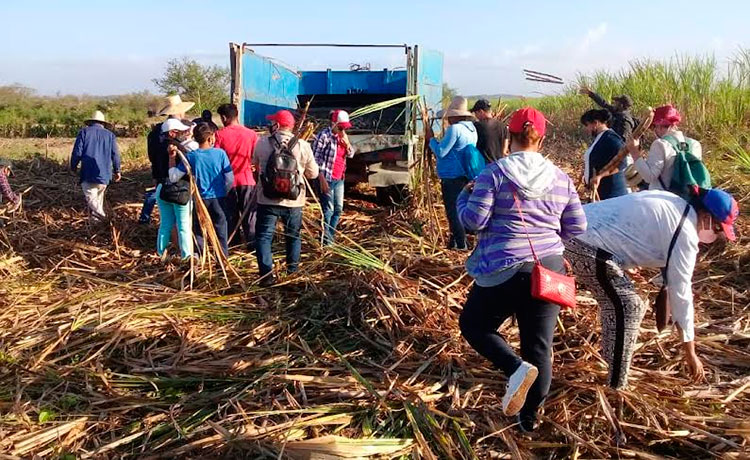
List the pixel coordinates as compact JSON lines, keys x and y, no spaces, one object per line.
{"x":676,"y":144}
{"x":674,"y":241}
{"x":523,"y":221}
{"x":290,"y":144}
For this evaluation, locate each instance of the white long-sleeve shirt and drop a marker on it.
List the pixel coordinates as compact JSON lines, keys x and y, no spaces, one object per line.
{"x":660,"y":161}
{"x":638,"y":228}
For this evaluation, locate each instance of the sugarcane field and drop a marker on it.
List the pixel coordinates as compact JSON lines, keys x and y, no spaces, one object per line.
{"x":340,"y":240}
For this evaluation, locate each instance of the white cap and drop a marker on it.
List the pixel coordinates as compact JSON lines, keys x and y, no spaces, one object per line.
{"x":173,"y":124}
{"x":341,"y":118}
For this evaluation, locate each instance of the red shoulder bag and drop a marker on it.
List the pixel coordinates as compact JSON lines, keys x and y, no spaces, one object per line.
{"x":546,"y":284}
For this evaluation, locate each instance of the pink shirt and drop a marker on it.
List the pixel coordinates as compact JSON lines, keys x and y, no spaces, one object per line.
{"x":239,"y":143}
{"x":339,"y":163}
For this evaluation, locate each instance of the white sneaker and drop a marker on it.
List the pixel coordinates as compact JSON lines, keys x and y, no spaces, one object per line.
{"x":517,"y":387}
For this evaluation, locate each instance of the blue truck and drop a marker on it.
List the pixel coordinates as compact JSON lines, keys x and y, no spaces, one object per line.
{"x":385,"y":140}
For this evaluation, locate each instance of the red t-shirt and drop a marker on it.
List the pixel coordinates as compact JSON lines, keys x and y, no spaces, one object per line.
{"x":339,"y":163}
{"x":239,"y":143}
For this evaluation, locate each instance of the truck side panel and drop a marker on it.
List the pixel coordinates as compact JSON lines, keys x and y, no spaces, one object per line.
{"x":267,"y":86}
{"x":351,"y":82}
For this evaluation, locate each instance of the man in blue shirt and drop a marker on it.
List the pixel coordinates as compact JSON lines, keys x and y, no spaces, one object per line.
{"x":96,"y":150}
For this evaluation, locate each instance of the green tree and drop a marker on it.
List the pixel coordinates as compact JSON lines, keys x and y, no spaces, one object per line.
{"x":448,"y":94}
{"x":207,"y":86}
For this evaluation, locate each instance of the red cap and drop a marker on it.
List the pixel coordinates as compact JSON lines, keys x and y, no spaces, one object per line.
{"x":283,"y":117}
{"x":525,"y":116}
{"x":666,"y":115}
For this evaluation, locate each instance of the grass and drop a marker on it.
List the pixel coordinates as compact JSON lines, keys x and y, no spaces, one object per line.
{"x":713,"y":98}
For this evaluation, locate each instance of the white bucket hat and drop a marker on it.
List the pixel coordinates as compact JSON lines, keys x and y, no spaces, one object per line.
{"x":174,"y":105}
{"x":97,"y":116}
{"x":459,"y":107}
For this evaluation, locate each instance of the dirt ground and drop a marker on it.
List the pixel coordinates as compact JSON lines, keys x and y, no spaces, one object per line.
{"x":104,"y":353}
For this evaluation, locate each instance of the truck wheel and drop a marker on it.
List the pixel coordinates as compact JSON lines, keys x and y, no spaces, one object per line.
{"x":392,"y":195}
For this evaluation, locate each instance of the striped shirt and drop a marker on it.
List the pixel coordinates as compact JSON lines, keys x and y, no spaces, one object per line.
{"x":502,"y":244}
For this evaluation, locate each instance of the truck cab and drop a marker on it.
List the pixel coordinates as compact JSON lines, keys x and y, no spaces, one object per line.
{"x":385,"y":140}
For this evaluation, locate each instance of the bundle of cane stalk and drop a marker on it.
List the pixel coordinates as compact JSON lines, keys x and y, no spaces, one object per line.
{"x":614,"y":164}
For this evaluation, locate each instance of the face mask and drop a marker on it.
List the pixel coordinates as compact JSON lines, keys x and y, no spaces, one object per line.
{"x":706,"y":233}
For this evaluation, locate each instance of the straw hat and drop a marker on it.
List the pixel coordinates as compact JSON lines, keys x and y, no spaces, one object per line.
{"x":459,"y":107}
{"x":174,"y":105}
{"x":97,"y":116}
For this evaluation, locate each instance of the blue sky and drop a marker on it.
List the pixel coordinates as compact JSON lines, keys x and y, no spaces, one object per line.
{"x":115,"y":47}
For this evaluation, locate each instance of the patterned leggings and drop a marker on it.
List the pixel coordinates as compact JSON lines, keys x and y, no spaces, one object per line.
{"x":621,"y":309}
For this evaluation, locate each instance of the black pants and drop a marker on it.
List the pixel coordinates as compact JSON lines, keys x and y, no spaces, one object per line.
{"x":486,"y":310}
{"x":451,"y":189}
{"x":242,"y":204}
{"x":217,"y":209}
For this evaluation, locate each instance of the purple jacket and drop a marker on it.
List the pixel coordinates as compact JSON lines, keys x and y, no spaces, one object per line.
{"x":550,"y":206}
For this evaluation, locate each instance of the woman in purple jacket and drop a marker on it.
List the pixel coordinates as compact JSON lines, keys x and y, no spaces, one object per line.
{"x":502,"y":261}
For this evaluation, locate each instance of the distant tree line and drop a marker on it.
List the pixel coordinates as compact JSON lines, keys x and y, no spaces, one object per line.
{"x":25,"y":113}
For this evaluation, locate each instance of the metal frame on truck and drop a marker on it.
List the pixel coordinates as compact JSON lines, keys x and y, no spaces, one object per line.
{"x":261,"y":85}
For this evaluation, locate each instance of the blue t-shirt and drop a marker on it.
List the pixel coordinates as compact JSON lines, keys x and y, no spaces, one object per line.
{"x":211,"y":170}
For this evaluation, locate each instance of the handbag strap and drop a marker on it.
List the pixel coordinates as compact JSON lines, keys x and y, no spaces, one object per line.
{"x":525,"y":229}
{"x":673,"y":242}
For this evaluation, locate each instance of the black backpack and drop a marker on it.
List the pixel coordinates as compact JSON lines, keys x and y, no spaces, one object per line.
{"x":281,"y":178}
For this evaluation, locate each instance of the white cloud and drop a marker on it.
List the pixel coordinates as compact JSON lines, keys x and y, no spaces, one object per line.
{"x":592,"y":37}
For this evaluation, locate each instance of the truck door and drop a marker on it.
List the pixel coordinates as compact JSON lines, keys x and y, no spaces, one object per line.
{"x":430,"y":77}
{"x":266,"y":87}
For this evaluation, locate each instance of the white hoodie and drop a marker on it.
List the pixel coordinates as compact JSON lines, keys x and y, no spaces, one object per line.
{"x":531,"y":173}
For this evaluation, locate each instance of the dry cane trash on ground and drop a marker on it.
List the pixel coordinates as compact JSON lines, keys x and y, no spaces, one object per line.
{"x":358,"y":355}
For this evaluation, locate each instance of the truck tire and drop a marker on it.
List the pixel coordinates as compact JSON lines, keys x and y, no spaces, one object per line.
{"x":392,"y":195}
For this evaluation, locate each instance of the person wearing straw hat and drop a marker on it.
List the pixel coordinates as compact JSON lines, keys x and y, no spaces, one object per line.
{"x":450,"y":171}
{"x":156,"y":147}
{"x":6,"y":169}
{"x":331,"y":149}
{"x":96,"y":150}
{"x":654,"y":229}
{"x":521,"y":189}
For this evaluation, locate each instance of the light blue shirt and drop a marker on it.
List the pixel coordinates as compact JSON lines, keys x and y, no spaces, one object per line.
{"x":447,"y":151}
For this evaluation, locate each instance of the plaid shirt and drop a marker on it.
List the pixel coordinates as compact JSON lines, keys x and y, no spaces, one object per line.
{"x":324,"y":149}
{"x":6,"y":190}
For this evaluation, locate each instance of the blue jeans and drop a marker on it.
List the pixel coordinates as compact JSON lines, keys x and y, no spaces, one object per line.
{"x":217,"y":209}
{"x":265,"y":227}
{"x":149,"y":201}
{"x":451,"y":188}
{"x":332,"y":204}
{"x":171,"y":214}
